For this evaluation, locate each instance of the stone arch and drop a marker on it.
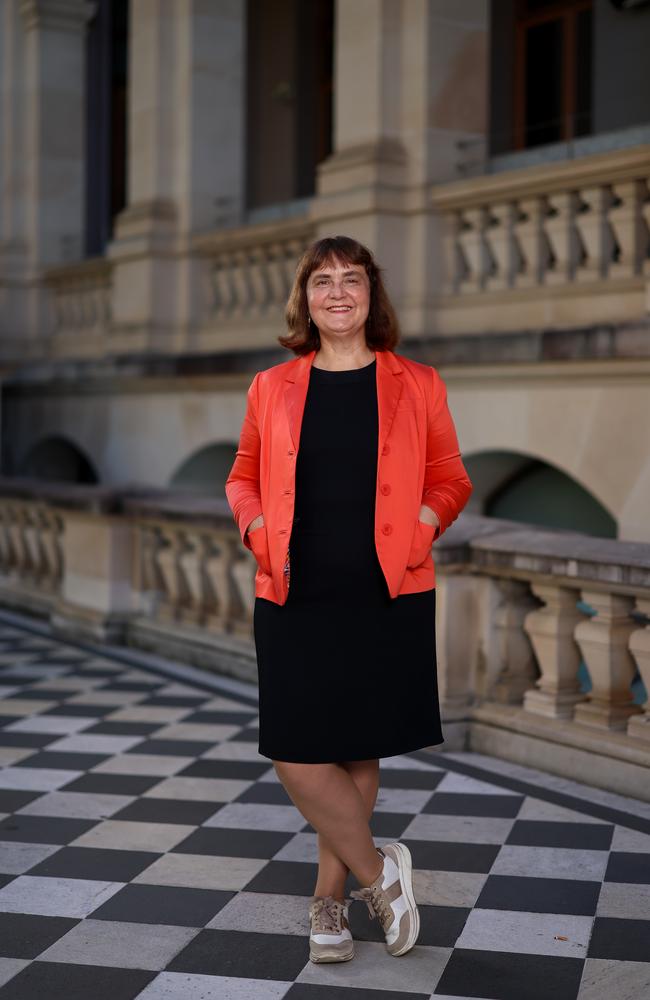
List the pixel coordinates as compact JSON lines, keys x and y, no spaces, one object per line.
{"x":57,"y":459}
{"x":205,"y":470}
{"x":523,"y":487}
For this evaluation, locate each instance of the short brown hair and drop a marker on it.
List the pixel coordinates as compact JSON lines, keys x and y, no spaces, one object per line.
{"x":382,"y":327}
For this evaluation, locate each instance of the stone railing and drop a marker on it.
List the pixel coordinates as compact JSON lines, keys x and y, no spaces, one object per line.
{"x":543,"y":637}
{"x":568,"y":242}
{"x":250,"y":270}
{"x":81,"y":297}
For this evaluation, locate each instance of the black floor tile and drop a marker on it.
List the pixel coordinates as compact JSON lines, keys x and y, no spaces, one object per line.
{"x":508,"y":976}
{"x":106,"y":865}
{"x":391,"y":777}
{"x":6,"y":720}
{"x":466,"y":804}
{"x":163,"y":904}
{"x":23,"y":935}
{"x":172,"y":748}
{"x":626,"y":866}
{"x":35,"y":740}
{"x":43,"y":829}
{"x":65,"y":761}
{"x":64,"y":981}
{"x":83,"y":711}
{"x":622,"y":940}
{"x":183,"y":811}
{"x":225,"y":718}
{"x":387,"y":824}
{"x":242,"y":953}
{"x":293,"y":878}
{"x":539,"y":895}
{"x":313,"y":991}
{"x":113,"y":784}
{"x":13,"y":799}
{"x":126,"y":687}
{"x":247,"y":735}
{"x":249,"y":770}
{"x":234,"y":843}
{"x":267,"y":792}
{"x":123,"y":728}
{"x":446,"y":856}
{"x":584,"y":836}
{"x":175,"y":701}
{"x":38,"y":694}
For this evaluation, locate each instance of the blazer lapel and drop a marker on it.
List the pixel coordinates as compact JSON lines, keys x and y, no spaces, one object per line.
{"x":389,"y":389}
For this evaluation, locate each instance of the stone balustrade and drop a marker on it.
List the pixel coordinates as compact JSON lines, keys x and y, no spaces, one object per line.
{"x":567,"y":242}
{"x":81,"y":303}
{"x":524,"y":615}
{"x":250,"y":270}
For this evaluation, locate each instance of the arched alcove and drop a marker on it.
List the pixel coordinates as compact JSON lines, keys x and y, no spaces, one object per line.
{"x":206,"y":470}
{"x":56,"y":459}
{"x":522,"y":488}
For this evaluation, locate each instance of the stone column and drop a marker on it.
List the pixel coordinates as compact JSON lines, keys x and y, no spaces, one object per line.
{"x":517,"y":661}
{"x":186,"y":161}
{"x":603,"y":640}
{"x":410,"y":80}
{"x":42,"y":151}
{"x":551,"y":630}
{"x":456,"y":647}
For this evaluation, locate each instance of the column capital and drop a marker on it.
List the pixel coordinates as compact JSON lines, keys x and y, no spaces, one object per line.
{"x":69,"y":15}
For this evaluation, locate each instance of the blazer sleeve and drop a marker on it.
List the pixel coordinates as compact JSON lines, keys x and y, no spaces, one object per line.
{"x":243,"y":482}
{"x":447,"y":487}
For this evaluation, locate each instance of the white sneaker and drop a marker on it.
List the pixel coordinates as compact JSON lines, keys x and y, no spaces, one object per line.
{"x":390,"y":897}
{"x":330,"y":938}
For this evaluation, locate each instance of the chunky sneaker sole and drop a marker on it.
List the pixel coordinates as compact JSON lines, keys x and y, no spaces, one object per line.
{"x":330,"y":938}
{"x":391,"y":899}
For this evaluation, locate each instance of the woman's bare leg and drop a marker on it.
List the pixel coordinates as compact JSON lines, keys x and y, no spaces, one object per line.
{"x":332,"y":872}
{"x":329,"y":798}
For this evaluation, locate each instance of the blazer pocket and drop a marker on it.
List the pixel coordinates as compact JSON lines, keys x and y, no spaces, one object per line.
{"x":259,"y":540}
{"x":410,"y":404}
{"x":422,"y":542}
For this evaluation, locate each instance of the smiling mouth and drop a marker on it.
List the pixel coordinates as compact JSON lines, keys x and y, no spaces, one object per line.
{"x":339,"y":308}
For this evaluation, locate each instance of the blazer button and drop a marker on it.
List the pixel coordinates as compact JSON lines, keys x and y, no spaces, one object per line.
{"x":387,"y":528}
{"x":290,"y":452}
{"x":385,"y":449}
{"x":385,"y":489}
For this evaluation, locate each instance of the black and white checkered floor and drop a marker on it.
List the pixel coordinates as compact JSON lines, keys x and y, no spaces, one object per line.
{"x":147,"y":850}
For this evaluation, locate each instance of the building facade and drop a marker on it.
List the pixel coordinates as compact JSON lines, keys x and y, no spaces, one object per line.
{"x":163,"y":163}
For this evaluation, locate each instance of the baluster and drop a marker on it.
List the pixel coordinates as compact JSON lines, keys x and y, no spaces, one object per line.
{"x":639,"y":645}
{"x":533,"y":242}
{"x":456,"y":269}
{"x":456,"y":601}
{"x":504,"y":249}
{"x":517,"y":667}
{"x":551,"y":629}
{"x":630,"y":228}
{"x":596,"y":234}
{"x":603,"y":640}
{"x":564,"y":238}
{"x":191,"y":562}
{"x":175,"y":591}
{"x":475,"y":249}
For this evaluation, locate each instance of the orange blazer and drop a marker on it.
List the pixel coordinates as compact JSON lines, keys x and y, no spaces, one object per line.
{"x":418,"y":462}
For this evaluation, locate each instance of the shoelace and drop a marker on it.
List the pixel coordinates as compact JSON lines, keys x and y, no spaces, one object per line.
{"x":327,"y":913}
{"x":376,"y":903}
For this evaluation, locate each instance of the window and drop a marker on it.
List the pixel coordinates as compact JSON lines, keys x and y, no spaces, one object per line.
{"x":552,"y":71}
{"x":289,"y":97}
{"x":106,"y":121}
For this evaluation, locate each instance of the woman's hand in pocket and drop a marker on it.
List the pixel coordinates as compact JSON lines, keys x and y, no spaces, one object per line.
{"x":259,"y":541}
{"x":428,"y":516}
{"x":255,"y":523}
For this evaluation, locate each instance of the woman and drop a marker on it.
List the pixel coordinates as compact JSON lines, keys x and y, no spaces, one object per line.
{"x":347,"y":470}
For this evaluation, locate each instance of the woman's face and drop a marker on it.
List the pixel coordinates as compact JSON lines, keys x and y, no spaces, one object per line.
{"x":338,"y":298}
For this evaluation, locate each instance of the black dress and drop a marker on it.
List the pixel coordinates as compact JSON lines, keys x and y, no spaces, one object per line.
{"x":345,"y":671}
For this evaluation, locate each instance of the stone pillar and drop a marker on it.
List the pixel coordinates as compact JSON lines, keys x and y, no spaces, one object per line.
{"x":186,"y":161}
{"x":603,"y":640}
{"x":410,"y":81}
{"x":456,"y":649}
{"x":42,"y":173}
{"x":97,"y":596}
{"x":639,"y":645}
{"x":551,"y":630}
